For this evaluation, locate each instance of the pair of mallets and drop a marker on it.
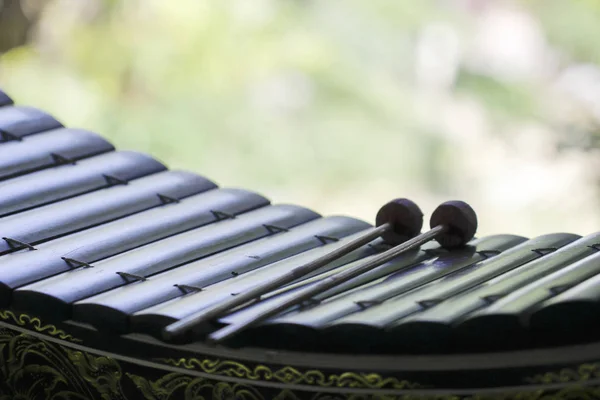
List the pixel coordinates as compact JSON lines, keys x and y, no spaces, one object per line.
{"x":398,"y":223}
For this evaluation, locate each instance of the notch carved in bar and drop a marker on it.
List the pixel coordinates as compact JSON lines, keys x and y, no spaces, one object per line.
{"x":544,"y":251}
{"x":113,"y":180}
{"x":367,"y":303}
{"x":220,"y":215}
{"x":131,"y":277}
{"x":15,"y":244}
{"x":188,"y":288}
{"x":488,"y":253}
{"x":326,"y":239}
{"x":8,"y":137}
{"x":167,"y":199}
{"x":308,"y":303}
{"x":492,"y":298}
{"x":559,"y":289}
{"x":76,"y":263}
{"x":61,"y":160}
{"x":429,"y":303}
{"x":274,"y":229}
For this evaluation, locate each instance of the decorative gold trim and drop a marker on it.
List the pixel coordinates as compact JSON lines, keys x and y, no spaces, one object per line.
{"x":286,"y":375}
{"x":581,"y":373}
{"x":33,"y":368}
{"x":291,"y":375}
{"x":175,"y":385}
{"x":37,"y":325}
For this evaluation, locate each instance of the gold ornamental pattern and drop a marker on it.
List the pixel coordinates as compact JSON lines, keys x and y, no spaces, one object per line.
{"x":290,"y":375}
{"x":36,"y":324}
{"x":35,"y":369}
{"x":582,"y":373}
{"x":176,"y":386}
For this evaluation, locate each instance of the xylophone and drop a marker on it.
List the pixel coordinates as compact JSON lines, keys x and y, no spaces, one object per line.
{"x":122,"y":279}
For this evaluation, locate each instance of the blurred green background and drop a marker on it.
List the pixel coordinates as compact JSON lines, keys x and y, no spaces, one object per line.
{"x":336,"y":105}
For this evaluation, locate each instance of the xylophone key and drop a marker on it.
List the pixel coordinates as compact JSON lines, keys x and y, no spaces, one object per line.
{"x":375,"y":326}
{"x":111,"y":310}
{"x":573,"y":314}
{"x":153,"y":319}
{"x":52,"y":298}
{"x":48,"y":149}
{"x":287,"y":295}
{"x":18,"y":121}
{"x":53,"y":184}
{"x":437,"y":322}
{"x":5,"y":100}
{"x":301,"y":325}
{"x":106,"y":240}
{"x":396,"y":221}
{"x":23,"y":230}
{"x":453,"y":224}
{"x":507,"y":317}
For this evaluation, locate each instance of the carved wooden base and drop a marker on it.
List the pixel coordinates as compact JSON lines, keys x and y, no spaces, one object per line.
{"x":41,"y":362}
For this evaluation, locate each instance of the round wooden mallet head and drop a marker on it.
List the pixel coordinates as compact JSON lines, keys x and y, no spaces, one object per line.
{"x":461,"y":221}
{"x":404,"y":216}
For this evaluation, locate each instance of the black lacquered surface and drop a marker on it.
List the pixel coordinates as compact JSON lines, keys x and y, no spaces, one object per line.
{"x":17,"y":122}
{"x":52,"y":297}
{"x":378,"y":322}
{"x":52,"y":184}
{"x":156,"y":317}
{"x":113,"y":308}
{"x":47,"y":149}
{"x":106,"y":240}
{"x":114,"y":240}
{"x":54,"y":220}
{"x":439,"y":322}
{"x":508,"y":316}
{"x":572,"y":313}
{"x":306,"y":322}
